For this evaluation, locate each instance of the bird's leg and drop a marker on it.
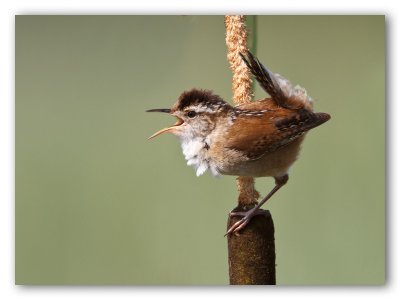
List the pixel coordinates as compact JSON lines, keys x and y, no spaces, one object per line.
{"x":247,"y":215}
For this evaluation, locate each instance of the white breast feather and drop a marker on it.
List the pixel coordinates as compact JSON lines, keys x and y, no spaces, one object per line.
{"x":195,"y":154}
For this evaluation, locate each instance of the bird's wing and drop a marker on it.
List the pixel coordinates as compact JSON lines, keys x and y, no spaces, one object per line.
{"x":255,"y":134}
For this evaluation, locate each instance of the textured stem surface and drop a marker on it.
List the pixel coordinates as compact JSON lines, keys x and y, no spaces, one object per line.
{"x":251,"y":254}
{"x":236,"y":41}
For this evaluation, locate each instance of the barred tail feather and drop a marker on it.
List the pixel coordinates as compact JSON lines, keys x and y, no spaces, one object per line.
{"x":279,"y":88}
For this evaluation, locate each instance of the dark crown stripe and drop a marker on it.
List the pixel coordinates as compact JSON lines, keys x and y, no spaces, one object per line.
{"x":200,"y":97}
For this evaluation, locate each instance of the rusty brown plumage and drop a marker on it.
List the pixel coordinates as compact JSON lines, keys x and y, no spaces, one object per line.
{"x":262,"y":127}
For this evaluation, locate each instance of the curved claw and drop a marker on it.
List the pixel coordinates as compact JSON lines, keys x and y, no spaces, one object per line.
{"x":238,"y":225}
{"x":247,"y":216}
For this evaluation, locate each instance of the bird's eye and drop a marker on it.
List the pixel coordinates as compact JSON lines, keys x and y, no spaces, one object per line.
{"x":191,"y":114}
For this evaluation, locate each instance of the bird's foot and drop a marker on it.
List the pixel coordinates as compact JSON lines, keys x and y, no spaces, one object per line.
{"x":247,"y":216}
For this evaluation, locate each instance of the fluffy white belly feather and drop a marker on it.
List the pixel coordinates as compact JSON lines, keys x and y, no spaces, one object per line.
{"x":195,"y":153}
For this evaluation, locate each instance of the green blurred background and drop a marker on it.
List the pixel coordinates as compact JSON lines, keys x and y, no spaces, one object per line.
{"x":97,"y":203}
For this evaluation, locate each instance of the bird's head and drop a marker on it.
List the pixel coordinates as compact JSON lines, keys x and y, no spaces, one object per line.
{"x":196,"y":111}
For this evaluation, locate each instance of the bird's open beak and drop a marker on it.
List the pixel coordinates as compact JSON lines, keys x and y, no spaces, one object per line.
{"x":167,"y":129}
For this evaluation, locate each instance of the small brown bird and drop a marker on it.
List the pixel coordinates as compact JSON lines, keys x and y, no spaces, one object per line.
{"x":258,"y":139}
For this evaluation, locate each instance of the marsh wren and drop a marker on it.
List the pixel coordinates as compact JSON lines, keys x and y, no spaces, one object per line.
{"x":258,"y":139}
